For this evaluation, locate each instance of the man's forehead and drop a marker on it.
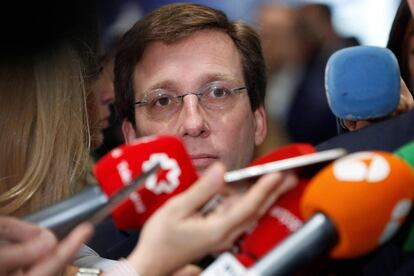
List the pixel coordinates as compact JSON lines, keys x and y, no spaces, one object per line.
{"x":207,"y":77}
{"x":203,"y":56}
{"x":195,"y":40}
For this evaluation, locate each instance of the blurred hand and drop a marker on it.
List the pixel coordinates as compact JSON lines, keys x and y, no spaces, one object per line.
{"x":178,"y":233}
{"x":188,"y":270}
{"x":26,"y":249}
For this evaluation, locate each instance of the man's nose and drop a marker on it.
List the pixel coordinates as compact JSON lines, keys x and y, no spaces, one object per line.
{"x":193,"y":118}
{"x":107,"y":94}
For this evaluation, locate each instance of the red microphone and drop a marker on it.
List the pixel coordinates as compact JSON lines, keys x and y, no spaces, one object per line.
{"x":284,"y":153}
{"x":282,"y":218}
{"x":125,"y":163}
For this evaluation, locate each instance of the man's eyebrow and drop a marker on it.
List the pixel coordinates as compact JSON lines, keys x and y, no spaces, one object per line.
{"x":216,"y":77}
{"x":171,"y":85}
{"x":165,"y":84}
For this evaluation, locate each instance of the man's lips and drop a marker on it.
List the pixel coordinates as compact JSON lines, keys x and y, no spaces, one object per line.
{"x":203,"y":160}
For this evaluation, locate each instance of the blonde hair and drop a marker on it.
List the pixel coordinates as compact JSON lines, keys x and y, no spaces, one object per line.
{"x":44,"y":133}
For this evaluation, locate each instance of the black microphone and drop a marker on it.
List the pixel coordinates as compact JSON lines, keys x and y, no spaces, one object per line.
{"x":91,"y":204}
{"x":63,"y":216}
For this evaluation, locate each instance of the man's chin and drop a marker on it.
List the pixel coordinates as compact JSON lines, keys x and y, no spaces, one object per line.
{"x":202,"y":164}
{"x":200,"y":171}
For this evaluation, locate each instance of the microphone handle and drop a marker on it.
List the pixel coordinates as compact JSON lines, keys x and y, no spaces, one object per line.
{"x":65,"y":215}
{"x":316,"y":237}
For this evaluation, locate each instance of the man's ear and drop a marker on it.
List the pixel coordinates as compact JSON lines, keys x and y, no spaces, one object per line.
{"x":128,"y":131}
{"x":261,"y":125}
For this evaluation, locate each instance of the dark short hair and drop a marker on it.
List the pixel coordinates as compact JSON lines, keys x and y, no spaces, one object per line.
{"x":173,"y":22}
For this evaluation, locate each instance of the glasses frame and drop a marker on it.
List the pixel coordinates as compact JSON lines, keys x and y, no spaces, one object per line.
{"x":178,"y":99}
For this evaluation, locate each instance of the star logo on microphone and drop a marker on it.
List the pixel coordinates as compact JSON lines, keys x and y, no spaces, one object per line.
{"x":167,"y":181}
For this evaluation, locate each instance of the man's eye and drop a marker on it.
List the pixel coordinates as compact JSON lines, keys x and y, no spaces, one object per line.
{"x":162,"y":101}
{"x":219,"y":92}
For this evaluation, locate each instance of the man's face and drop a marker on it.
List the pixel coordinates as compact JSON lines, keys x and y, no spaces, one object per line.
{"x":278,"y":35}
{"x":102,"y":95}
{"x":228,"y":135}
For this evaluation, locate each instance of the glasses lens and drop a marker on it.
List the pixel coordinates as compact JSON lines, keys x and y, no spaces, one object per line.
{"x":217,"y":96}
{"x":161,"y":104}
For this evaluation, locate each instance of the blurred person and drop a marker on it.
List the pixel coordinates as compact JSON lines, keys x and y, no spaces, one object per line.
{"x":407,"y":53}
{"x":120,"y":16}
{"x":401,"y":43}
{"x":45,"y":138}
{"x":109,"y":133}
{"x":100,"y":106}
{"x":310,"y":119}
{"x":277,"y":29}
{"x":46,"y":127}
{"x":277,"y":26}
{"x":48,"y":121}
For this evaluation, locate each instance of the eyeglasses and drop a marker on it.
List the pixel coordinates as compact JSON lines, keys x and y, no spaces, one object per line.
{"x":161,"y":103}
